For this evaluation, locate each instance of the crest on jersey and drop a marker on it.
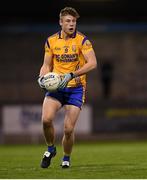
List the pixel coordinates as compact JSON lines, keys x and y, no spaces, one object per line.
{"x":74,"y":48}
{"x":66,"y":49}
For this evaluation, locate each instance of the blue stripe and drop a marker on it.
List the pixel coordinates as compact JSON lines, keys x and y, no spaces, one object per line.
{"x":74,"y":34}
{"x":59,"y":34}
{"x":48,"y":44}
{"x":84,"y":40}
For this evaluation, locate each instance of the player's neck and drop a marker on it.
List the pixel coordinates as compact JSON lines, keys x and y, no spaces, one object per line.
{"x":66,"y":36}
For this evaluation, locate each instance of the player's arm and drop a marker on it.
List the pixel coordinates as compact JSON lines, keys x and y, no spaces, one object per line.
{"x":47,"y":64}
{"x":91,"y":63}
{"x":89,"y":56}
{"x":45,"y":68}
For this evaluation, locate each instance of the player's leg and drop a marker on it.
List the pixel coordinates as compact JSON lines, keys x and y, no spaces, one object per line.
{"x":71,"y":116}
{"x":49,"y":109}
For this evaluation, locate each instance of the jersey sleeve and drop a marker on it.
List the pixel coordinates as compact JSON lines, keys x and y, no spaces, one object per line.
{"x":86,"y":46}
{"x":47,"y":47}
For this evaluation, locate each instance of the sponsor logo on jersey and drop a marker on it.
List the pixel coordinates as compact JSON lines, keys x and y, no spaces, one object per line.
{"x":88,"y":43}
{"x":66,"y":57}
{"x":57,"y":48}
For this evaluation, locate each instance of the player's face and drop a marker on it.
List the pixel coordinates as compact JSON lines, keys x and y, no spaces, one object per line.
{"x":68,"y":24}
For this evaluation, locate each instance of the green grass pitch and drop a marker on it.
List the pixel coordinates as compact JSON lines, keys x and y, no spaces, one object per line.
{"x":97,"y":160}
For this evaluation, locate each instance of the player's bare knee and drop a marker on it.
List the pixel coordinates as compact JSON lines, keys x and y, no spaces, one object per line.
{"x":47,"y":122}
{"x":68,"y":131}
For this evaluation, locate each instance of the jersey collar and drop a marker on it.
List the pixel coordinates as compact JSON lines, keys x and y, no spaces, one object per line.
{"x":72,"y":36}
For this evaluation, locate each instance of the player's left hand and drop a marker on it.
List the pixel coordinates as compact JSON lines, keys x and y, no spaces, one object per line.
{"x":65,"y":80}
{"x":40,"y":82}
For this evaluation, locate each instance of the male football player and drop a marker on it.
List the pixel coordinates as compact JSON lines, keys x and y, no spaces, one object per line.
{"x":70,"y":54}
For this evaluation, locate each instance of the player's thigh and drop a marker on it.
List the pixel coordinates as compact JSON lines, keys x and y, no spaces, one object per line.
{"x":71,"y":116}
{"x":50,"y":108}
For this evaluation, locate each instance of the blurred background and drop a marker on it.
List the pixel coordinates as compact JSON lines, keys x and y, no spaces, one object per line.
{"x":116,"y":105}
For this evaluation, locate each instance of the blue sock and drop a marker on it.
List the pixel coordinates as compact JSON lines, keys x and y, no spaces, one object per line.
{"x":66,"y":158}
{"x":51,"y":148}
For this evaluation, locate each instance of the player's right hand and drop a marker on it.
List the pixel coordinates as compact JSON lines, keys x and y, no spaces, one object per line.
{"x":41,"y":82}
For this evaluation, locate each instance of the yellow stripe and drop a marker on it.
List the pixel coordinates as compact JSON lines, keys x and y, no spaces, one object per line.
{"x":111,"y":113}
{"x":84,"y":91}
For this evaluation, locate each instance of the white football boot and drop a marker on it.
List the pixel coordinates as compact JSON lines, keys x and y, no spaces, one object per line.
{"x":65,"y":164}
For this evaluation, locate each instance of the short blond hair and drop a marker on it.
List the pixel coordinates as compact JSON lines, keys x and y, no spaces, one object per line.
{"x":69,"y":11}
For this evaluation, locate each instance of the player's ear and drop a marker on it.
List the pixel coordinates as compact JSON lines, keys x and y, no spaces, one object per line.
{"x":60,"y":21}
